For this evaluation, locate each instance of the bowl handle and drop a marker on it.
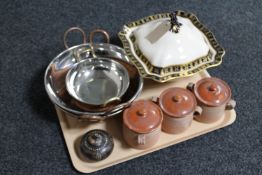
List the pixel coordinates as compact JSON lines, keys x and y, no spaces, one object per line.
{"x":83,"y":50}
{"x":89,"y":118}
{"x":91,"y":39}
{"x":92,"y":34}
{"x":74,"y":29}
{"x":112,"y":100}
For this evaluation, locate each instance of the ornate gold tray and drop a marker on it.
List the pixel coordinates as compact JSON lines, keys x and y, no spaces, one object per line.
{"x":73,"y":129}
{"x":147,"y":70}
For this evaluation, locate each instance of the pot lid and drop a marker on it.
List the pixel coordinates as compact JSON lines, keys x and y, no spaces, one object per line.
{"x":177,"y":102}
{"x":163,"y":46}
{"x":212,"y":91}
{"x":142,"y":116}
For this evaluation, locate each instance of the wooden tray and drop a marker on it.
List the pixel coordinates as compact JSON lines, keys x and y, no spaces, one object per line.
{"x":73,"y":129}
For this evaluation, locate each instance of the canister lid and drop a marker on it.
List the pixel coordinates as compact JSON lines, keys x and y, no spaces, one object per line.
{"x":143,"y":116}
{"x":177,"y":102}
{"x":212,"y":91}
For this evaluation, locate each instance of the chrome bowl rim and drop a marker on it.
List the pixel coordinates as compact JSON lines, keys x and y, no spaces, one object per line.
{"x":86,"y":114}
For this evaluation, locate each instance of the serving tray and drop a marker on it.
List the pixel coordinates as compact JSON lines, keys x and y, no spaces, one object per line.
{"x":73,"y":129}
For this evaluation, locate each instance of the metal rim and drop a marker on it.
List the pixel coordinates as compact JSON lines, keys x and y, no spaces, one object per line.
{"x":116,"y":98}
{"x":91,"y":115}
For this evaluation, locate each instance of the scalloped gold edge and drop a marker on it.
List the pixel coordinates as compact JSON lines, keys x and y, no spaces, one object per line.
{"x":220,"y":52}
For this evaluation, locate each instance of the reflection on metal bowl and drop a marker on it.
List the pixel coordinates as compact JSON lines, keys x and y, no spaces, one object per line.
{"x":97,"y":81}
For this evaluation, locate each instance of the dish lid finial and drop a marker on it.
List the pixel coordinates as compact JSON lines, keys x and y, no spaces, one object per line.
{"x":174,"y":24}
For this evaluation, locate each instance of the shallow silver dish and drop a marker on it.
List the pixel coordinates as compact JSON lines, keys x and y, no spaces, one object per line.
{"x":57,"y":69}
{"x":97,"y":81}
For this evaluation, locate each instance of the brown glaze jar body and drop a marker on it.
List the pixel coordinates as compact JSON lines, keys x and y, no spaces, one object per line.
{"x":211,"y":114}
{"x":142,"y":124}
{"x":176,"y":125}
{"x":214,"y":97}
{"x":139,"y":140}
{"x":178,"y":106}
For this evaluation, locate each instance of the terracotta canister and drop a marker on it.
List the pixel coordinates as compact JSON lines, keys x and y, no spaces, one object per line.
{"x":178,"y":106}
{"x":142,"y":124}
{"x":214,"y":96}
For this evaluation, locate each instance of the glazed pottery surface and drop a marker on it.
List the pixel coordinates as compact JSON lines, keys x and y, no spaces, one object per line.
{"x":178,"y":106}
{"x":214,"y":96}
{"x":142,"y":124}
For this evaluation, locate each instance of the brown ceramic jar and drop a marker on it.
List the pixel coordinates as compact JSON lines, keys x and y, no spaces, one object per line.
{"x":142,"y":124}
{"x":214,"y":96}
{"x":178,"y":106}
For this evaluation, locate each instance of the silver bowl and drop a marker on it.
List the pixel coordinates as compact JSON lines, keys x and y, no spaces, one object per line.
{"x":55,"y":81}
{"x":97,"y":81}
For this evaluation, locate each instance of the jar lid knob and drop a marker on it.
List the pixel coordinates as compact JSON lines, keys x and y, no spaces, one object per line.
{"x":177,"y":98}
{"x":212,"y":87}
{"x":95,"y":139}
{"x":141,"y":112}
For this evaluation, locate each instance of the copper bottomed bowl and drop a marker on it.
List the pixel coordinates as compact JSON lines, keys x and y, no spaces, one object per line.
{"x":56,"y":71}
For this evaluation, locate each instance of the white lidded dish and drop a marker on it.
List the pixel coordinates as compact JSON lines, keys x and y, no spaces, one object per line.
{"x":162,"y":54}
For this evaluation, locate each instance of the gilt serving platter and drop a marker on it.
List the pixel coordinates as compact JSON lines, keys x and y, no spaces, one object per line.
{"x":161,"y":73}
